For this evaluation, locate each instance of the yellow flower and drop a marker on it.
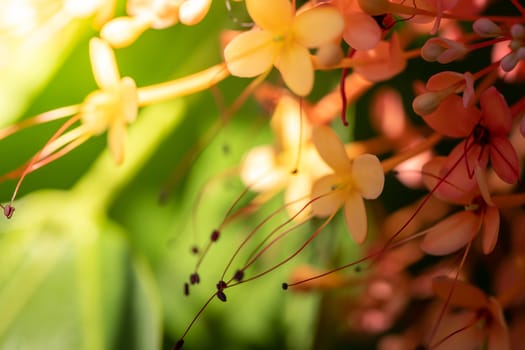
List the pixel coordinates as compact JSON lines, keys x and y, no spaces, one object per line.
{"x":114,"y":105}
{"x":282,"y":39}
{"x":350,"y":182}
{"x":293,"y":163}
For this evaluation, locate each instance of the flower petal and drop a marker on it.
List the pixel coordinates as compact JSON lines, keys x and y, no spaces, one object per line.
{"x":297,"y":196}
{"x":260,"y":172}
{"x":249,"y":54}
{"x":331,"y":149}
{"x":327,"y":198}
{"x":117,"y":140}
{"x":103,"y":63}
{"x":368,"y":175}
{"x":274,"y":17}
{"x":497,"y":116}
{"x":355,"y":217}
{"x":451,"y":234}
{"x":368,"y":34}
{"x":317,"y":26}
{"x":464,"y":122}
{"x":296,"y":68}
{"x":464,"y":294}
{"x":490,"y":229}
{"x":128,"y":100}
{"x":504,"y":159}
{"x":498,"y":338}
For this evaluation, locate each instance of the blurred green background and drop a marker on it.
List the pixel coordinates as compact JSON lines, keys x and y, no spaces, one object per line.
{"x":92,"y":259}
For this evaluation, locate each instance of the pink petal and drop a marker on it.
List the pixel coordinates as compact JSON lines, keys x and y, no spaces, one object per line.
{"x":327,"y":198}
{"x":327,"y":21}
{"x":361,"y":31}
{"x":296,"y":68}
{"x":504,"y":159}
{"x":465,"y":119}
{"x":332,"y":150}
{"x":274,"y":17}
{"x":444,"y":80}
{"x":498,"y":331}
{"x":459,"y":170}
{"x":446,"y":191}
{"x":490,"y":229}
{"x":355,"y":217}
{"x":250,"y":53}
{"x":497,"y":116}
{"x":383,"y":62}
{"x":368,"y":175}
{"x":451,"y":234}
{"x":464,"y":294}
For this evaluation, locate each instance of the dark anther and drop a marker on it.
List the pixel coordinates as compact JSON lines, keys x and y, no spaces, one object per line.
{"x":186,"y":289}
{"x":295,"y":171}
{"x":8,"y":211}
{"x":221,"y":296}
{"x":215,"y":235}
{"x":195,"y":250}
{"x":284,"y":286}
{"x":179,"y":344}
{"x":221,"y":286}
{"x":481,"y":135}
{"x":195,"y":278}
{"x":420,"y":347}
{"x":358,"y":269}
{"x":239,"y":275}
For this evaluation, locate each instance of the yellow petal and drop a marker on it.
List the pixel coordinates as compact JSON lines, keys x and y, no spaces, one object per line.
{"x":355,"y":217}
{"x":249,"y":54}
{"x":260,"y":172}
{"x":103,"y":63}
{"x":327,"y":198}
{"x":297,"y":196}
{"x":332,"y":150}
{"x":117,"y":140}
{"x":318,"y":26}
{"x":128,"y":100}
{"x":123,"y":31}
{"x":368,"y":175}
{"x":296,"y":68}
{"x":274,"y":16}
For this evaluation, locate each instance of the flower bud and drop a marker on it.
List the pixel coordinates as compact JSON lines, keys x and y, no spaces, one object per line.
{"x":485,"y":28}
{"x":192,"y":12}
{"x":426,"y":103}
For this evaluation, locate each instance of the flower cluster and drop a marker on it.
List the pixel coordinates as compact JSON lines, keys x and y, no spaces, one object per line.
{"x":424,"y":172}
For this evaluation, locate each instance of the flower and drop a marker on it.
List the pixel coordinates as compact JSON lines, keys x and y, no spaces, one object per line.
{"x":457,"y":230}
{"x":477,"y":306}
{"x":350,"y":182}
{"x":282,"y":39}
{"x":486,"y":136}
{"x":293,"y":163}
{"x":114,"y":105}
